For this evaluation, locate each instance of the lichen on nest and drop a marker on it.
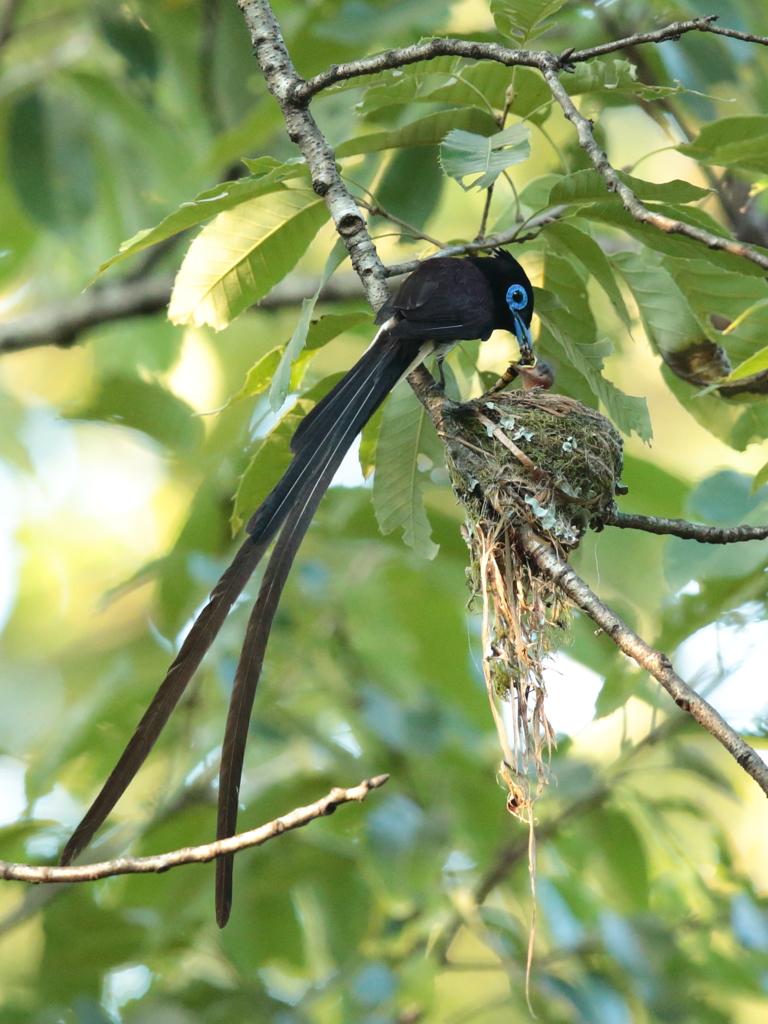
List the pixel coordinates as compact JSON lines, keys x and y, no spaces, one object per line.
{"x":536,"y":458}
{"x":526,"y":459}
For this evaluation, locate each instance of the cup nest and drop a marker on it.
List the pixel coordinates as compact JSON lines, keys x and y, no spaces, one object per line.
{"x":543,"y":462}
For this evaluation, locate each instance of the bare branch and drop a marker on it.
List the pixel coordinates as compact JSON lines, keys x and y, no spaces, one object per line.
{"x":285,"y":84}
{"x":194,"y":854}
{"x":629,"y":200}
{"x":62,"y":323}
{"x":661,"y":35}
{"x":411,"y":55}
{"x":654,"y":662}
{"x":688,"y":531}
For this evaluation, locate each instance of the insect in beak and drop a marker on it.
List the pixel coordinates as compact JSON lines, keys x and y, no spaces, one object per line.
{"x":524,"y":340}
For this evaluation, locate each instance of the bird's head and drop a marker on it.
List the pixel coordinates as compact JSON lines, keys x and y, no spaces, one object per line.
{"x":512,"y":298}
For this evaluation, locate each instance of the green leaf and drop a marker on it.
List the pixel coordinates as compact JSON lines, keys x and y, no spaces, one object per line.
{"x":459,"y":85}
{"x":331,"y":325}
{"x":674,"y":244}
{"x":464,"y":153}
{"x":615,"y":75}
{"x":625,"y":869}
{"x":229,"y":194}
{"x":412,"y":185}
{"x":755,"y":364}
{"x":242,"y":254}
{"x":259,"y":376}
{"x":732,"y":142}
{"x":397,"y":483}
{"x":273,"y":455}
{"x":282,"y":377}
{"x":588,"y":252}
{"x":369,"y":439}
{"x":667,"y":318}
{"x":761,"y":478}
{"x":135,"y":403}
{"x":523,"y":20}
{"x":710,"y":290}
{"x":427,"y":131}
{"x":589,"y":186}
{"x":628,"y":413}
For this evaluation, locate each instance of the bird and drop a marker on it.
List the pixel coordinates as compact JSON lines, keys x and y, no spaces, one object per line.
{"x":447,"y":299}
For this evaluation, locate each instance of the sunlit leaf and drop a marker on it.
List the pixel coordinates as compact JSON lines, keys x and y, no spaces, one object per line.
{"x":397,"y":483}
{"x":464,"y":153}
{"x":214,"y":200}
{"x":242,"y":254}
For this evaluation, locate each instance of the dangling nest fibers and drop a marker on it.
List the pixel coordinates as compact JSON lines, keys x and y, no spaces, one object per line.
{"x":545,"y":462}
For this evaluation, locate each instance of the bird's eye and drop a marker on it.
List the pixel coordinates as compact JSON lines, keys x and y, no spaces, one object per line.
{"x":517,"y":297}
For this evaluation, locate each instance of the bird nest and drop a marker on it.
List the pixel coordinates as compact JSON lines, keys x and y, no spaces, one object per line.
{"x":526,"y":460}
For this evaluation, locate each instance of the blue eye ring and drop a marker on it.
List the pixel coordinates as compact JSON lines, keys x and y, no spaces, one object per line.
{"x":517,"y":297}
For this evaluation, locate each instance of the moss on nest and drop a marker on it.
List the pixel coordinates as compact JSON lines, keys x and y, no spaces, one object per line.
{"x":534,"y":458}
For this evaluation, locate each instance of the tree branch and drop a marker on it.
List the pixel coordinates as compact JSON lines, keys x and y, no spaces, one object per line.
{"x":688,"y":531}
{"x":661,"y":35}
{"x":285,"y":84}
{"x":194,"y":854}
{"x":62,"y":323}
{"x":654,"y":662}
{"x":614,"y":183}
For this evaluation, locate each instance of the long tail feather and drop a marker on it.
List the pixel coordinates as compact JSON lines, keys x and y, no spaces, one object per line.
{"x":370,"y":386}
{"x":351,"y":408}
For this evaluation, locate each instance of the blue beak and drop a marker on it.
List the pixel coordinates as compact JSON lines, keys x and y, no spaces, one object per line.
{"x":524,"y":340}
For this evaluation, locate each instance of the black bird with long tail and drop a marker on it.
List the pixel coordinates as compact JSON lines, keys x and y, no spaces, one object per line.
{"x":444,"y":301}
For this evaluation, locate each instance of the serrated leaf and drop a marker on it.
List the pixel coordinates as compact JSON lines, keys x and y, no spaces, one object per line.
{"x":732,"y":142}
{"x":668,"y":319}
{"x":242,"y":254}
{"x":522,"y":20}
{"x":464,"y":153}
{"x":268,"y":177}
{"x":397,"y":485}
{"x":427,"y":131}
{"x":459,"y":85}
{"x":628,"y":413}
{"x":589,"y":186}
{"x":282,"y":376}
{"x":614,"y":75}
{"x":676,"y":245}
{"x":273,"y":455}
{"x":710,"y":290}
{"x":581,"y":245}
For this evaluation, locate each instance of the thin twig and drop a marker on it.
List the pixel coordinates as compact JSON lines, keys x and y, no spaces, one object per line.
{"x":376,"y":210}
{"x":688,"y":531}
{"x":653,"y":661}
{"x":661,"y":35}
{"x":194,"y":854}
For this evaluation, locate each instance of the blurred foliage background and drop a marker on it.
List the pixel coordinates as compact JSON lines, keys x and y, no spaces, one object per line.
{"x":115,"y":520}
